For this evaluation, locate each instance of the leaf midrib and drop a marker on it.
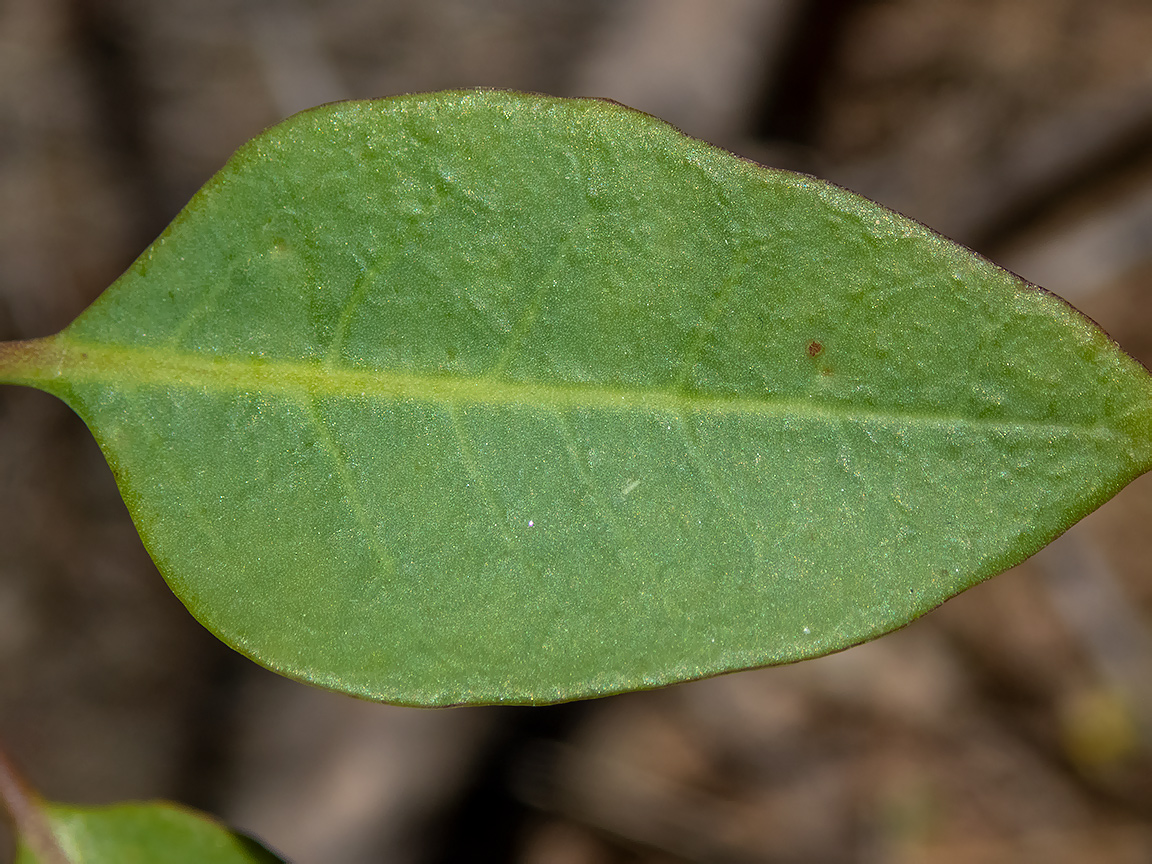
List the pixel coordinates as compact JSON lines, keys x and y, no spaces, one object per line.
{"x":81,"y":362}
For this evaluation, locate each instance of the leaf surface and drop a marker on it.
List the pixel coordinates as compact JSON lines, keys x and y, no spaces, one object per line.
{"x":488,"y":397}
{"x":153,"y":833}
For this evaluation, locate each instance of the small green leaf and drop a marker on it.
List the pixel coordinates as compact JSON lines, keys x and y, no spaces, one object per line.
{"x":486,"y":397}
{"x":154,"y":833}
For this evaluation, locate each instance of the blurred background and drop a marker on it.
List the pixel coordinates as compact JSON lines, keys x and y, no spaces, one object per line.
{"x":1013,"y":724}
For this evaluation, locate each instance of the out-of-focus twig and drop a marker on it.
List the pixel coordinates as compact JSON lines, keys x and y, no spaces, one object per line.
{"x":24,"y":807}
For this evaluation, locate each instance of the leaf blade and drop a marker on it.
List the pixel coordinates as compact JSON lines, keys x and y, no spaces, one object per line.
{"x":146,"y":833}
{"x":562,"y":403}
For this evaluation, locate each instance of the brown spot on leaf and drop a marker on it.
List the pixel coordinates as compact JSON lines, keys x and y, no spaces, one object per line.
{"x":814,"y":348}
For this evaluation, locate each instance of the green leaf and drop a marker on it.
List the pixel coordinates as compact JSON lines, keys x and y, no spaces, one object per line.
{"x":154,"y":833}
{"x":487,"y":397}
